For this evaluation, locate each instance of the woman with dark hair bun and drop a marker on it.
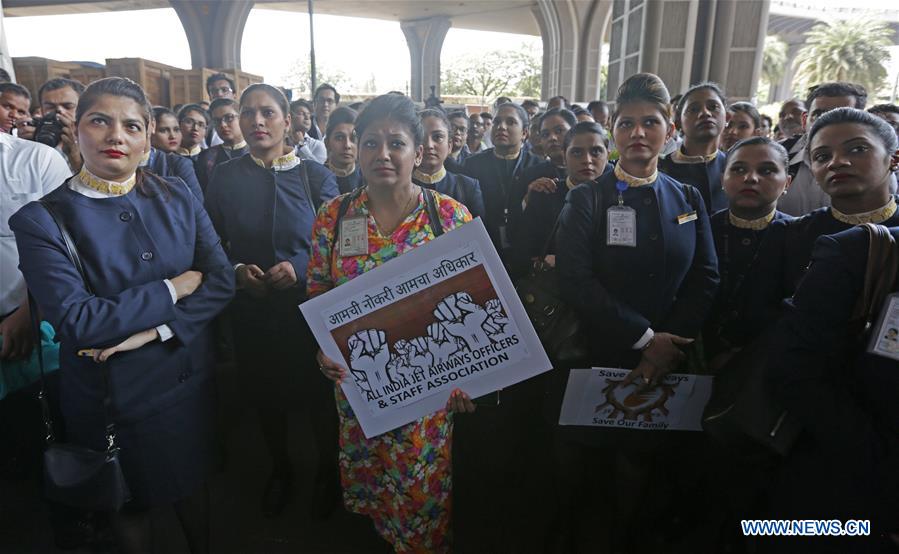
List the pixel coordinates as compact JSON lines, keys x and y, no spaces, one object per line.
{"x":743,"y":121}
{"x":431,"y":172}
{"x":701,"y":115}
{"x":340,"y":140}
{"x":585,"y":148}
{"x":400,"y":479}
{"x":755,"y":177}
{"x":263,"y":205}
{"x":162,"y":158}
{"x":636,"y":259}
{"x":852,"y":155}
{"x":155,"y":277}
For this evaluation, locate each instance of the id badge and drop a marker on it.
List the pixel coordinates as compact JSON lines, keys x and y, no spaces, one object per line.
{"x":353,"y":236}
{"x":885,"y":340}
{"x":622,"y":226}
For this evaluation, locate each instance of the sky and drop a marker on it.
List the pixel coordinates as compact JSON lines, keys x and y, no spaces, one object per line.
{"x":274,"y":41}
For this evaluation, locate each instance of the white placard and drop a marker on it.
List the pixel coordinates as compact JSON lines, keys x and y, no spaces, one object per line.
{"x":442,"y":316}
{"x":597,"y":397}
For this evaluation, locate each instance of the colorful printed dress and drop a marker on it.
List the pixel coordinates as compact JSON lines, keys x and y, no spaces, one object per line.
{"x":400,"y":479}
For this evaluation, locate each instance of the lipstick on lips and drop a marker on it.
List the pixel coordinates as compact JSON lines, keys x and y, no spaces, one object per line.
{"x":112,"y":153}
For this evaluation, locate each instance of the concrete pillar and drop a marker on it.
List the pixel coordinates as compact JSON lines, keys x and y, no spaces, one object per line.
{"x":425,"y":40}
{"x":214,"y":30}
{"x":783,"y":90}
{"x":5,"y":59}
{"x":572,"y":33}
{"x":687,"y":41}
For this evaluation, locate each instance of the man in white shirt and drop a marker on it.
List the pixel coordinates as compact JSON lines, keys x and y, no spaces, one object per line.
{"x":307,"y":147}
{"x":28,"y":170}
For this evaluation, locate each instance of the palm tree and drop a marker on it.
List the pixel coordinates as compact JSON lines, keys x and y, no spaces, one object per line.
{"x":850,"y":50}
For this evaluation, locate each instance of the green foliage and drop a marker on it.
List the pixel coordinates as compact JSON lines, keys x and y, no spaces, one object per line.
{"x":297,"y":78}
{"x":850,"y":50}
{"x":494,"y":73}
{"x":774,"y":59}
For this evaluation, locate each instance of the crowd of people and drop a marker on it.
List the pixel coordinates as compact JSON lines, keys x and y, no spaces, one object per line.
{"x":683,"y":232}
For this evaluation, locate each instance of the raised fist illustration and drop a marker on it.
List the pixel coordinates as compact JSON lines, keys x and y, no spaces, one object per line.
{"x":497,"y":326}
{"x":463,"y":319}
{"x":369,"y":356}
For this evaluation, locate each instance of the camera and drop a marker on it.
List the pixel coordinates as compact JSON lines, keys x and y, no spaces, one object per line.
{"x":48,"y":129}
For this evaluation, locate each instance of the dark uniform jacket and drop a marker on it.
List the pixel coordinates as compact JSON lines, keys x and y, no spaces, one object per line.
{"x":704,"y":176}
{"x":667,"y":282}
{"x":264,"y":217}
{"x":166,"y":164}
{"x":128,"y":245}
{"x":213,"y":157}
{"x":845,"y":398}
{"x":460,"y":188}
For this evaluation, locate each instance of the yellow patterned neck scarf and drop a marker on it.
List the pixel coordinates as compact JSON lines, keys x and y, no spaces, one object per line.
{"x":874,"y":216}
{"x":753,"y":224}
{"x":282,"y":163}
{"x":678,"y":156}
{"x":429,"y":179}
{"x":513,"y":156}
{"x":91,"y":181}
{"x":635,"y":181}
{"x":237,"y":146}
{"x":569,"y":183}
{"x":192,"y":152}
{"x":341,"y":172}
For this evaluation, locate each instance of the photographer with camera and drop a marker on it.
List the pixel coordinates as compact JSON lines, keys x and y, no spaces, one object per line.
{"x":58,"y":100}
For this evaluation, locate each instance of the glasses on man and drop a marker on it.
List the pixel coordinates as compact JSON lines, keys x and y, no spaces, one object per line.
{"x":193,"y":123}
{"x":227,"y":119}
{"x":220,"y":90}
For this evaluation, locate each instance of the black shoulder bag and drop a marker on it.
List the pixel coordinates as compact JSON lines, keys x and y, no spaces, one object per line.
{"x":558,"y":326}
{"x":76,"y":475}
{"x":742,"y":412}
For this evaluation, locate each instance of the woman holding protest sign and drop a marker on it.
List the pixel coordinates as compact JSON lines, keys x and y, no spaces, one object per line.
{"x":400,"y":479}
{"x":635,"y":256}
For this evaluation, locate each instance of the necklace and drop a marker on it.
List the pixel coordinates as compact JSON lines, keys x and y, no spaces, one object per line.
{"x":402,"y":217}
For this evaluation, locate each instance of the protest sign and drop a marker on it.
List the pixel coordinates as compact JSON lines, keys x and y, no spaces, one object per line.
{"x":598,"y":397}
{"x":442,"y":316}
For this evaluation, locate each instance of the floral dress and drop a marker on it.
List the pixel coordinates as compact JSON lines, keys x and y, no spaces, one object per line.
{"x":400,"y":479}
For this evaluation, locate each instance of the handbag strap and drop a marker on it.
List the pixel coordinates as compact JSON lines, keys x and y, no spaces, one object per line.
{"x":75,"y":258}
{"x":433,"y":215}
{"x":880,"y":273}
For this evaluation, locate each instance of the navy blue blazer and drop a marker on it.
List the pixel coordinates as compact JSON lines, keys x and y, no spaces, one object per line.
{"x":740,"y":313}
{"x":789,"y":249}
{"x":460,"y":188}
{"x":705,"y":177}
{"x":265,"y":216}
{"x":498,"y":179}
{"x":128,"y":245}
{"x":213,"y":157}
{"x":844,"y":397}
{"x":166,"y":164}
{"x":666,"y":282}
{"x":350,"y":182}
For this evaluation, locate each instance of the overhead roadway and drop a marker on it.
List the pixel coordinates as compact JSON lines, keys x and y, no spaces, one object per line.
{"x":683,"y":40}
{"x":505,"y":16}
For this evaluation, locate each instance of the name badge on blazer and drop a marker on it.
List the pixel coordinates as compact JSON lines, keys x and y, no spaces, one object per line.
{"x":687,"y":218}
{"x":885,"y":339}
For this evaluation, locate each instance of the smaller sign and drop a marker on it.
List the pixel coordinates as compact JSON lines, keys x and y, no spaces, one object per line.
{"x":598,"y":397}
